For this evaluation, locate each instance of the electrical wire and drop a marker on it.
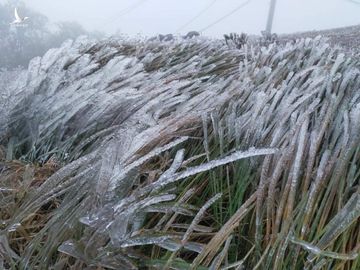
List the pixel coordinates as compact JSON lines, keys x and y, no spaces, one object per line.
{"x":354,"y":1}
{"x":125,"y":11}
{"x":196,"y":16}
{"x":226,"y":16}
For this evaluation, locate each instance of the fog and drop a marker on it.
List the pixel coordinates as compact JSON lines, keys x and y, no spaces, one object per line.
{"x":149,"y":17}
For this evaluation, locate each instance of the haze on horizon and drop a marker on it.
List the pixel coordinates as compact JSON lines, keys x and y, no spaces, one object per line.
{"x":150,"y":17}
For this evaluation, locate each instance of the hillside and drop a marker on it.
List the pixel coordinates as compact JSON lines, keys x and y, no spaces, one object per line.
{"x":131,"y":154}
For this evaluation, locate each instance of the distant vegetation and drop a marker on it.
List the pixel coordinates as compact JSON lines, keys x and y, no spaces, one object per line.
{"x":20,"y":44}
{"x":346,"y":37}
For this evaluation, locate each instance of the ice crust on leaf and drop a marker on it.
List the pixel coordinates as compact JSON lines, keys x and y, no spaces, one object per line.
{"x":106,"y":110}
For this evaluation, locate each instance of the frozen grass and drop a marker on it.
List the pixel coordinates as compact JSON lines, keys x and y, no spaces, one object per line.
{"x":183,"y":155}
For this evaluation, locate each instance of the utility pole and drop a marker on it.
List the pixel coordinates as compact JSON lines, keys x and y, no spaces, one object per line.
{"x":270,"y":16}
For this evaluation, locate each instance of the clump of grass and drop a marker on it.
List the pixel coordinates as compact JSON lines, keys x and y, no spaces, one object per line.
{"x":18,"y":179}
{"x":185,"y":155}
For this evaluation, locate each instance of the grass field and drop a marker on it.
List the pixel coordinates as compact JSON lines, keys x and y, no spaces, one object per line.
{"x":130,"y":154}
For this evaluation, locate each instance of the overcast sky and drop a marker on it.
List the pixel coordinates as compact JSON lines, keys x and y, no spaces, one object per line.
{"x":149,"y":17}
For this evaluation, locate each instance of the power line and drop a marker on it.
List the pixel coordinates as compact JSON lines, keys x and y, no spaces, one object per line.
{"x":354,"y":1}
{"x":226,"y":15}
{"x":125,"y":11}
{"x":197,"y":16}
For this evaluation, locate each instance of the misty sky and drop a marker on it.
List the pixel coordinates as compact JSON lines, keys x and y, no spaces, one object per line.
{"x":149,"y":17}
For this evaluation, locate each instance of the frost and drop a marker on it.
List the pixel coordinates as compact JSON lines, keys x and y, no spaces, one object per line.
{"x":139,"y":241}
{"x":124,"y":117}
{"x":198,"y":217}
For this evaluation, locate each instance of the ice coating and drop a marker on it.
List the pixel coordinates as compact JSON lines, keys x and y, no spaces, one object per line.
{"x":108,"y":108}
